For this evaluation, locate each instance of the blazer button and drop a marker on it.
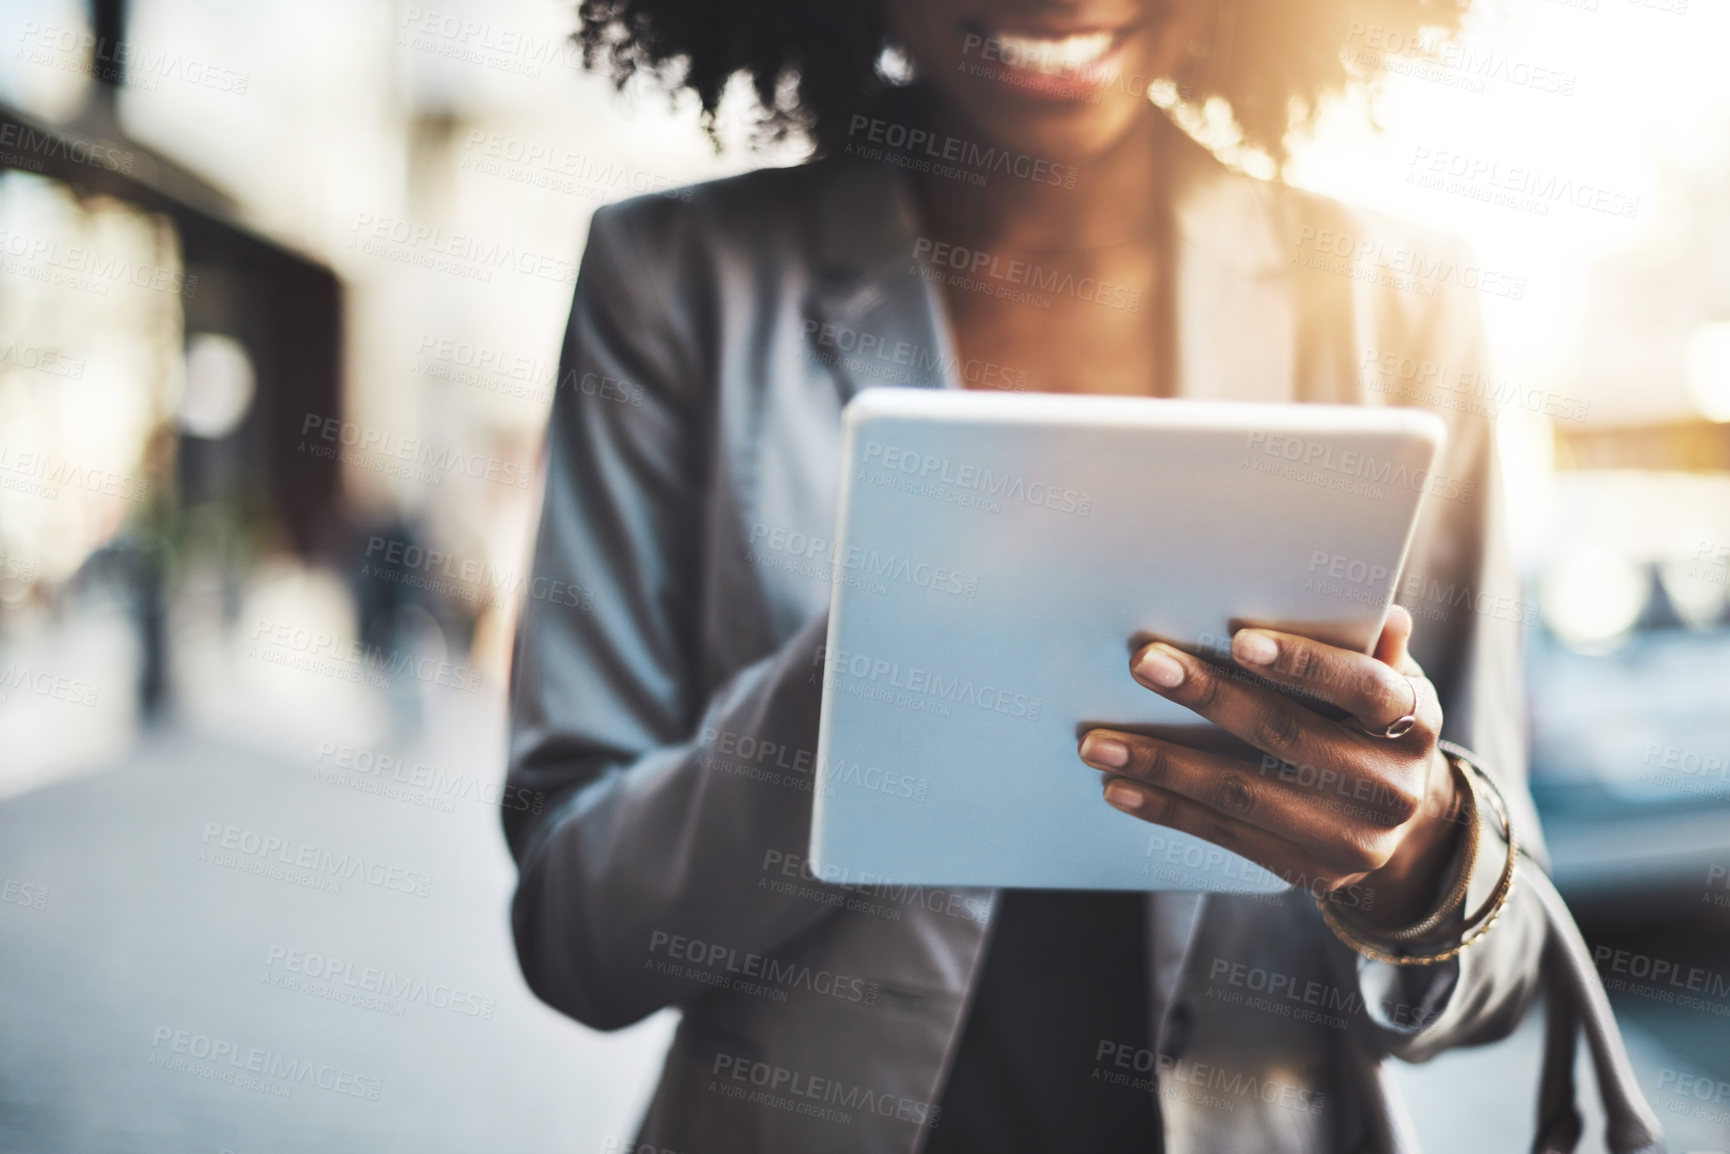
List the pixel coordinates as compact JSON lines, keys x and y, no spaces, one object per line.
{"x":1178,"y":1025}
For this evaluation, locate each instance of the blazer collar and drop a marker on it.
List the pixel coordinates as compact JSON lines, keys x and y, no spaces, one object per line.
{"x":866,"y":281}
{"x":1236,"y":322}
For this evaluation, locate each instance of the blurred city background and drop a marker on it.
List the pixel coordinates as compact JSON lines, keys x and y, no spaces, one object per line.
{"x":258,"y":260}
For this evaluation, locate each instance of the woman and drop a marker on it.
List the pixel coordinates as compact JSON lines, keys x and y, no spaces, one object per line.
{"x":997,"y":203}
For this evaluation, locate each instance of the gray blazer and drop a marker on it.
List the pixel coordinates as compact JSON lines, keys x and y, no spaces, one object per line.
{"x":665,"y":687}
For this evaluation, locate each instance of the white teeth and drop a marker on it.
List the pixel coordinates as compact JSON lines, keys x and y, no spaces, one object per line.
{"x":1054,"y":54}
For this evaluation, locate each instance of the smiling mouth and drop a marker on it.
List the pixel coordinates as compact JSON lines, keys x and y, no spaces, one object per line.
{"x":1062,"y":66}
{"x":1073,"y":54}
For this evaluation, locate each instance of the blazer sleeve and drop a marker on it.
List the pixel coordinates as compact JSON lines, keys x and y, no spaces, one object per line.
{"x":636,"y":831}
{"x":1463,"y":590}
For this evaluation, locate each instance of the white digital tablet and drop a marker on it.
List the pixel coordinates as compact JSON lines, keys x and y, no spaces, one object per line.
{"x":999,"y":556}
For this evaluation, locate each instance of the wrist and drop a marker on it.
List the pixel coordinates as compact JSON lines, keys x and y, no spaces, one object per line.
{"x":1406,"y":887}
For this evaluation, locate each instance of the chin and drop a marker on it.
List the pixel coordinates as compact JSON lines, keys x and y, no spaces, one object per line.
{"x":1062,"y":134}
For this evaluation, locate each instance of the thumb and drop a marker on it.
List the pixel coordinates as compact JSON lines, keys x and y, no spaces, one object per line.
{"x":1391,"y":646}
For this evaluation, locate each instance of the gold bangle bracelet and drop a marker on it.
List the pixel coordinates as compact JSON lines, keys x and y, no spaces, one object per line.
{"x":1487,"y":916}
{"x":1505,"y":885}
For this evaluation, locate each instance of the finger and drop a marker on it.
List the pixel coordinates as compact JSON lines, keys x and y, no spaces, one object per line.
{"x":1260,"y":715}
{"x":1330,"y":815}
{"x":1392,"y":647}
{"x":1358,"y":683}
{"x":1270,"y":851}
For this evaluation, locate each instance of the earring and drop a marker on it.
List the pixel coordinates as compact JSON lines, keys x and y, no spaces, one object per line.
{"x":895,"y":64}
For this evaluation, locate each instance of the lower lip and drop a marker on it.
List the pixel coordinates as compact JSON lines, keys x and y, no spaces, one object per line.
{"x":1056,"y":84}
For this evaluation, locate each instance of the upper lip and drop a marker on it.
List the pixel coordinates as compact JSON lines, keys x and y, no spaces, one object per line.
{"x":1044,"y":30}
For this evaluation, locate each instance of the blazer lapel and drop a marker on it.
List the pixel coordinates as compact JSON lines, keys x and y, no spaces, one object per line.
{"x":1236,"y":325}
{"x":1172,"y":919}
{"x":885,"y":323}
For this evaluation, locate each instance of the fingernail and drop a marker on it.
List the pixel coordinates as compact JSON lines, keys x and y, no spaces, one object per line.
{"x":1255,"y":648}
{"x":1123,"y":795}
{"x":1160,"y":668}
{"x":1107,"y":751}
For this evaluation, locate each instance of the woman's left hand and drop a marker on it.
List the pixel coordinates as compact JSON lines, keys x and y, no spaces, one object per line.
{"x":1331,"y":803}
